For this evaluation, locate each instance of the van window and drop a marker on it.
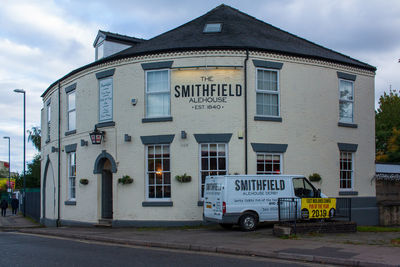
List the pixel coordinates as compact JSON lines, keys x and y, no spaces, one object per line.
{"x":303,"y":188}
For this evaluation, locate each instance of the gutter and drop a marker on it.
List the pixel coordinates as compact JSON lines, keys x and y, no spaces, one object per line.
{"x":59,"y":155}
{"x":245,"y":113}
{"x":119,"y":56}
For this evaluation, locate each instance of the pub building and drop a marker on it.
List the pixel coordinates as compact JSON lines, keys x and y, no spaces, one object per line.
{"x":130,"y":137}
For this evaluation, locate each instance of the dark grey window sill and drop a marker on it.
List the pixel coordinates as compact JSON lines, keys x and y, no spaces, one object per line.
{"x":262,"y":118}
{"x":70,"y":203}
{"x":70,"y":132}
{"x":105,"y":124}
{"x":348,"y":193}
{"x":157,"y":204}
{"x":348,"y":125}
{"x":200,"y":203}
{"x":161,"y":119}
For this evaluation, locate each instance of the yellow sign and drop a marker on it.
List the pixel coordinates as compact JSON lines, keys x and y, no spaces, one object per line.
{"x":4,"y":183}
{"x":318,"y":208}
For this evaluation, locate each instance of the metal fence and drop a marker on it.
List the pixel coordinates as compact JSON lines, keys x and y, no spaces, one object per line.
{"x":289,"y":210}
{"x":32,"y":200}
{"x":343,"y":209}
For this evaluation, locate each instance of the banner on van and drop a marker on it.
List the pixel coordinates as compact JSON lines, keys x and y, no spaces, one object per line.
{"x":318,"y":208}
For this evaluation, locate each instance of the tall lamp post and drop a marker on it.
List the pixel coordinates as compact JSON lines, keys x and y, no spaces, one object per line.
{"x":9,"y":163}
{"x":21,"y":91}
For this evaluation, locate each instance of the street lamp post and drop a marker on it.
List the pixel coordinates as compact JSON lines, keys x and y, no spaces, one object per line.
{"x":9,"y":163}
{"x":21,"y":91}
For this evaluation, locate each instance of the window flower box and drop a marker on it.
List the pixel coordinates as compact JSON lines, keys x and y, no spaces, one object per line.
{"x":126,"y":179}
{"x":84,"y":181}
{"x":183,"y":178}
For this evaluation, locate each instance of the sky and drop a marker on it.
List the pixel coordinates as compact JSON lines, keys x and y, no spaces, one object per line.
{"x":41,"y":41}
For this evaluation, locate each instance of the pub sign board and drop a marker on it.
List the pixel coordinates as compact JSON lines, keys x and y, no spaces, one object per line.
{"x":207,"y":89}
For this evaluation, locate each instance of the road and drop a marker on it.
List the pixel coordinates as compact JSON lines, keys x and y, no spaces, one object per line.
{"x":30,"y":250}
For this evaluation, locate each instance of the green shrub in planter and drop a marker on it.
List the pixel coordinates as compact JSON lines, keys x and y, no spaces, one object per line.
{"x":183,"y":178}
{"x":126,"y":179}
{"x":84,"y":181}
{"x":315,"y":177}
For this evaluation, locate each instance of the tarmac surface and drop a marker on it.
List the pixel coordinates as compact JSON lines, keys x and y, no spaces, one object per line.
{"x":354,"y":249}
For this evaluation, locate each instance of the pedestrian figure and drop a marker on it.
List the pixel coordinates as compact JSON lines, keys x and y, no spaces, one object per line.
{"x":4,"y":206}
{"x":14,"y":204}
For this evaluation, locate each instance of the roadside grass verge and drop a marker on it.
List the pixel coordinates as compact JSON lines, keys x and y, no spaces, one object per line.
{"x":395,"y":241}
{"x":377,"y":229}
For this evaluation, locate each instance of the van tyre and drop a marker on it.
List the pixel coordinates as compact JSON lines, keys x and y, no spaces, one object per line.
{"x":226,"y":225}
{"x":248,"y":222}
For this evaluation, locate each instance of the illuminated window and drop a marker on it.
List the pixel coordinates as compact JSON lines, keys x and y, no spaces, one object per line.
{"x":268,"y":163}
{"x":212,"y":27}
{"x":267,"y":92}
{"x":213,"y":161}
{"x":158,"y":172}
{"x":157,"y":93}
{"x":71,"y":175}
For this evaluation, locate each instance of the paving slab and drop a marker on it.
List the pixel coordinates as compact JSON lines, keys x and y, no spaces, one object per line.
{"x":10,"y":221}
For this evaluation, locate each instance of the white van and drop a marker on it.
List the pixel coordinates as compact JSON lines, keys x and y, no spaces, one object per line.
{"x":249,"y":199}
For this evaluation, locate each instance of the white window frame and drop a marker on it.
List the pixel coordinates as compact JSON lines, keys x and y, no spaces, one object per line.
{"x":277,"y":92}
{"x":272,"y":155}
{"x":350,"y":170}
{"x":71,"y":178}
{"x":69,"y":110}
{"x":200,"y":164}
{"x":48,"y":115}
{"x":100,"y":47}
{"x":160,"y":92}
{"x":347,"y":101}
{"x":147,"y":173}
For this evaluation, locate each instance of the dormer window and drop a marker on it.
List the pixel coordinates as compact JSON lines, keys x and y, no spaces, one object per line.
{"x":100,"y":51}
{"x":212,"y":27}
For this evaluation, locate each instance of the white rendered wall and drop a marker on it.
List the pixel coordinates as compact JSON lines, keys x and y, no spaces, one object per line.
{"x":309,"y":111}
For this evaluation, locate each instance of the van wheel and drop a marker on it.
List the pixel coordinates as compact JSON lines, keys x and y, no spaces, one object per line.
{"x":248,"y":222}
{"x":226,"y":225}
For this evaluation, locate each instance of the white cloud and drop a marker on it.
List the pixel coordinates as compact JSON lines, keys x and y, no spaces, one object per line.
{"x":42,"y":40}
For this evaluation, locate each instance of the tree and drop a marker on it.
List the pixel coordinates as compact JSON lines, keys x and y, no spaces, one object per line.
{"x":3,"y":172}
{"x":387,"y":127}
{"x":32,"y":174}
{"x":35,"y":137}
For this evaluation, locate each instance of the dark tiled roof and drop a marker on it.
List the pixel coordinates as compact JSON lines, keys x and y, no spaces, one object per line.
{"x":118,"y":38}
{"x":239,"y":31}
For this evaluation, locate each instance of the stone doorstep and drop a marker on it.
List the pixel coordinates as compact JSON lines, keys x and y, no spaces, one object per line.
{"x":104,"y":223}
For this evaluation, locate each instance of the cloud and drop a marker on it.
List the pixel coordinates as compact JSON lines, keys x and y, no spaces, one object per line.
{"x":42,"y":40}
{"x":39,"y":43}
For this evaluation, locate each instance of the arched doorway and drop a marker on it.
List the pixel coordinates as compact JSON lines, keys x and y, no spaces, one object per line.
{"x":106,"y":166}
{"x":106,"y":191}
{"x":48,"y":194}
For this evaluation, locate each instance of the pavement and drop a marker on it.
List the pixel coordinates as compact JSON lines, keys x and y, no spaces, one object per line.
{"x":354,"y":249}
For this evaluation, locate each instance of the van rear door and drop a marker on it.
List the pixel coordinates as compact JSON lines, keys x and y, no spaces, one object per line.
{"x":213,"y":198}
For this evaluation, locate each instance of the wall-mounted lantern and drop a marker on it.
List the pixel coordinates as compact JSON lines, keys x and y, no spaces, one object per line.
{"x":96,"y":136}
